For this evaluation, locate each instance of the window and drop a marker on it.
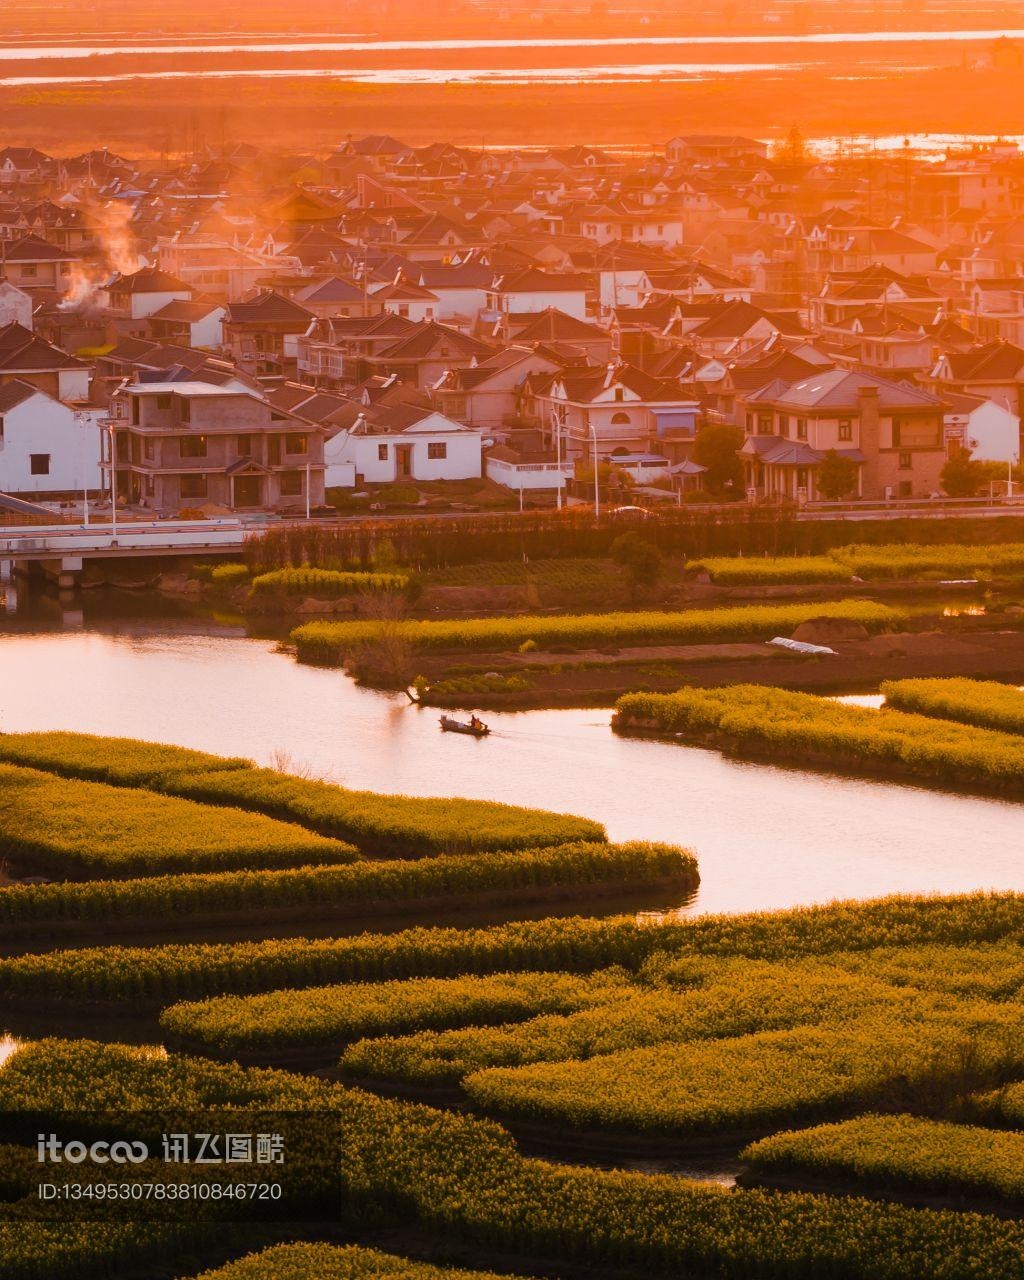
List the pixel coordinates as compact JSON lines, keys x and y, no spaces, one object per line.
{"x":382,"y":453}
{"x":135,"y":410}
{"x":437,"y":449}
{"x":291,"y":484}
{"x":296,"y":443}
{"x":620,"y":419}
{"x":801,"y":477}
{"x":783,"y":424}
{"x":801,"y":428}
{"x":185,"y":410}
{"x":147,"y":449}
{"x":906,"y":460}
{"x":618,"y":393}
{"x":29,"y":271}
{"x":906,"y":489}
{"x":1,"y":431}
{"x":845,"y":429}
{"x":244,"y":446}
{"x":193,"y":486}
{"x":163,"y":403}
{"x":39,"y":464}
{"x":764,"y":424}
{"x":192,"y":446}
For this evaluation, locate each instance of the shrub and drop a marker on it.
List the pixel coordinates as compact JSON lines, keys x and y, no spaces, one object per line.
{"x":984,"y":703}
{"x":500,"y":877}
{"x":899,"y":1153}
{"x":333,"y":641}
{"x":325,"y":584}
{"x":229,"y":575}
{"x":65,"y":828}
{"x":345,"y":1013}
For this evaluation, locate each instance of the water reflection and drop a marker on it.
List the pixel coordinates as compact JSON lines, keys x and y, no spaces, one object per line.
{"x":766,"y":837}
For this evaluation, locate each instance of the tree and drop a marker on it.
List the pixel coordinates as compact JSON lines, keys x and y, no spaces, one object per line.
{"x":717,"y":449}
{"x":837,"y":476}
{"x":640,"y":558}
{"x":962,"y":477}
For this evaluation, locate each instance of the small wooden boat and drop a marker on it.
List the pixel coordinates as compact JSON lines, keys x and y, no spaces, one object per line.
{"x":477,"y":730}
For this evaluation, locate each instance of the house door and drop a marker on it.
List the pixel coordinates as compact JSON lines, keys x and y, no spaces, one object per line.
{"x":403,"y":461}
{"x":248,"y":491}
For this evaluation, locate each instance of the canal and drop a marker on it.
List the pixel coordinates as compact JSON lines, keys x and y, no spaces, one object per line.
{"x":766,"y":837}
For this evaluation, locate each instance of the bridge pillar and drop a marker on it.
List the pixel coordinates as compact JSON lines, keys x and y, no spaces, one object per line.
{"x":6,"y":571}
{"x":64,"y":571}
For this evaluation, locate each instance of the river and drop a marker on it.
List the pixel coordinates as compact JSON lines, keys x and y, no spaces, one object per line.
{"x":766,"y":837}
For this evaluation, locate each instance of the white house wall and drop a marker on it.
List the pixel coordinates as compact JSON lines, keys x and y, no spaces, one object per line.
{"x":42,"y":425}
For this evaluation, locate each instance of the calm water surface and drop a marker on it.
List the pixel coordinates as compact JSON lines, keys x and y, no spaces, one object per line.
{"x":766,"y":837}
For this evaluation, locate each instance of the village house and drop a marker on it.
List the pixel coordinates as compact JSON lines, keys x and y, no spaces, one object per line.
{"x":612,"y":407}
{"x":48,"y":449}
{"x":530,"y":290}
{"x":988,"y":431}
{"x":184,"y":445}
{"x":893,"y":433}
{"x":392,"y":444}
{"x":25,"y":357}
{"x":37,"y":267}
{"x":262,"y":333}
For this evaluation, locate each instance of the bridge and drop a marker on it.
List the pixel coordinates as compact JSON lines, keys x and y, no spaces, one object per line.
{"x":61,"y":550}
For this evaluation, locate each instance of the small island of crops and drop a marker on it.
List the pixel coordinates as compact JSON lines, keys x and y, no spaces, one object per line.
{"x":761,"y":721}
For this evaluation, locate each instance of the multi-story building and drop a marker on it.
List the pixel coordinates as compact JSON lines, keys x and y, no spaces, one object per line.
{"x":182,"y":445}
{"x":891,"y":431}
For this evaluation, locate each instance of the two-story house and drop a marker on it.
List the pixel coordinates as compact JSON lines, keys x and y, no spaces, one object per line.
{"x":892,"y":431}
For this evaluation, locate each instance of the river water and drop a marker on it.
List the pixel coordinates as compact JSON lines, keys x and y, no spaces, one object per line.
{"x":766,"y":837}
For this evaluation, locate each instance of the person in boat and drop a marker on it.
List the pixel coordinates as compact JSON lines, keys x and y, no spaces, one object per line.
{"x":475,"y":722}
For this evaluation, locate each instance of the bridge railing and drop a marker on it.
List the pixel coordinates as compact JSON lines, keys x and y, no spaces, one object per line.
{"x":165,"y":535}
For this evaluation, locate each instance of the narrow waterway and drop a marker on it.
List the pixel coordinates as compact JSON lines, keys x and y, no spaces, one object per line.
{"x":766,"y":837}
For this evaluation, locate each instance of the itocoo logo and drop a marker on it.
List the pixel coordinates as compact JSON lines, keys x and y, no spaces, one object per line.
{"x":50,"y":1150}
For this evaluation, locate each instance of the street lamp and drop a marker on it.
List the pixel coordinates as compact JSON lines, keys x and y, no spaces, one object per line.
{"x":558,"y":456}
{"x":597,"y":487}
{"x":113,"y":482}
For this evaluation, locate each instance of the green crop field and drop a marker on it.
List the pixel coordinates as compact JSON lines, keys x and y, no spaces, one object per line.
{"x":899,"y":1153}
{"x":800,"y":726}
{"x":333,"y":641}
{"x":67,"y":829}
